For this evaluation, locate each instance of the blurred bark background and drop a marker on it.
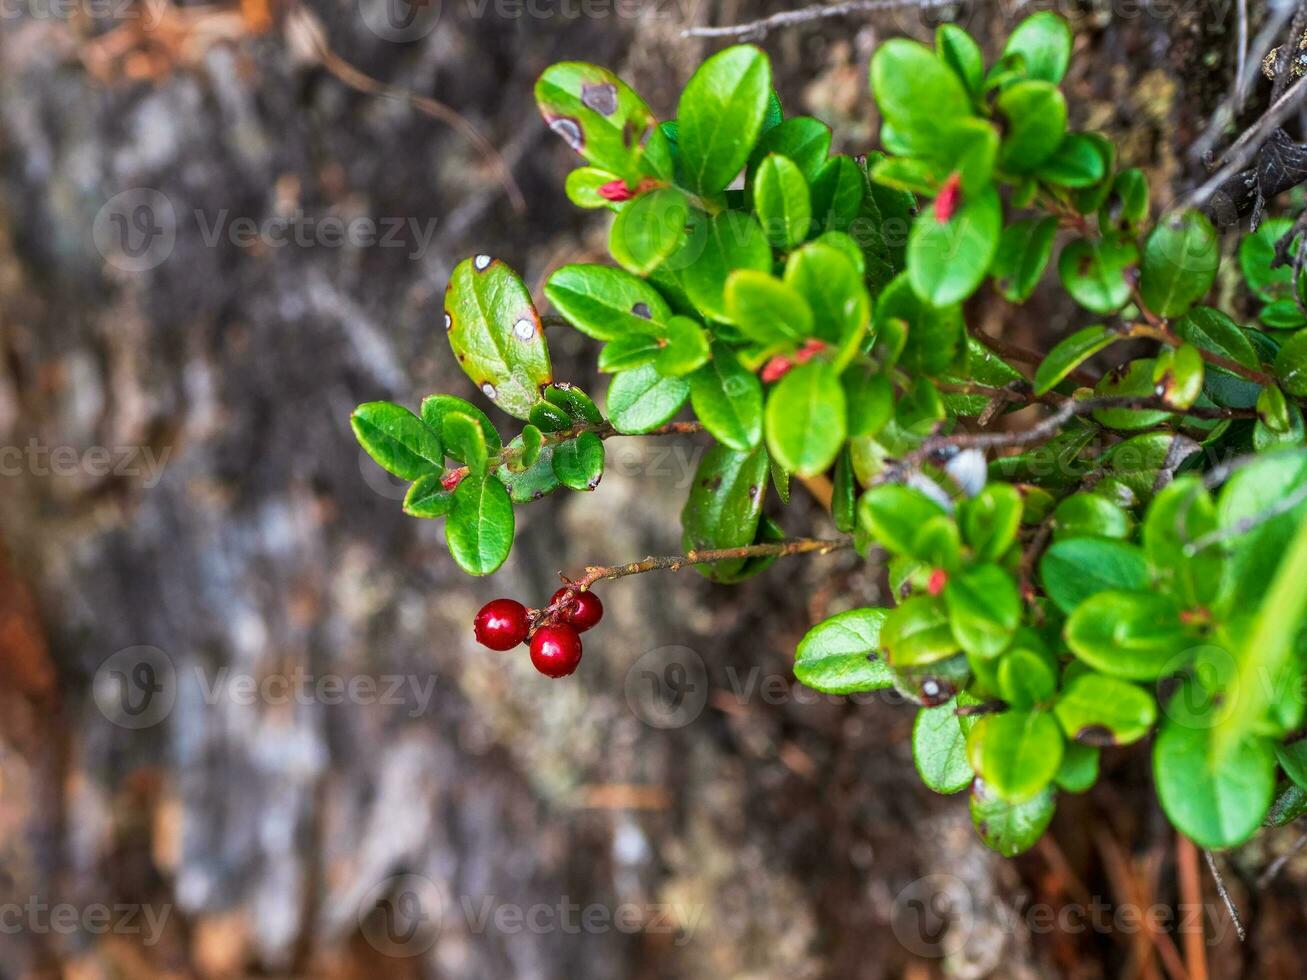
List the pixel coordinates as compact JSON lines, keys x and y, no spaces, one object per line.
{"x":180,"y":477}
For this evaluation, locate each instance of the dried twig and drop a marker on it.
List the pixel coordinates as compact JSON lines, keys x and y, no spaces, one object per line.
{"x":1276,"y":866}
{"x":1225,"y":895}
{"x":1191,"y":896}
{"x":758,"y":29}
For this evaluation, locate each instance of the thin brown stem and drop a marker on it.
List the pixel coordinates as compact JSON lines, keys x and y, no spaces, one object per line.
{"x":757,"y":29}
{"x":1015,"y":352}
{"x":672,"y":563}
{"x":1159,"y":330}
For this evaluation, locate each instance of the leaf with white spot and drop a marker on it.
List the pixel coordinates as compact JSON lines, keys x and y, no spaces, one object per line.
{"x":495,"y":333}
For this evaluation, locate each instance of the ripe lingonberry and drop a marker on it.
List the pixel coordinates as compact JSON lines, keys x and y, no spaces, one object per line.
{"x":584,"y":611}
{"x":556,"y":650}
{"x":501,"y":624}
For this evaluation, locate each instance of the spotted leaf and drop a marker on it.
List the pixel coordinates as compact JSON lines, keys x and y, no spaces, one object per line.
{"x":495,"y":333}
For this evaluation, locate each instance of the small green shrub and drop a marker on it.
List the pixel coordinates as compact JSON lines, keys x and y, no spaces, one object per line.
{"x":1128,"y":566}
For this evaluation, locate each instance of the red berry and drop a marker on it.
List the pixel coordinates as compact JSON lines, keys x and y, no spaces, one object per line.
{"x":501,"y":624}
{"x":556,"y":650}
{"x":584,"y":611}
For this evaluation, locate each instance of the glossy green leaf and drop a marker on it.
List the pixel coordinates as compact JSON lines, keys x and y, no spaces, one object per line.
{"x":1036,"y":122}
{"x":1134,"y":635}
{"x":1016,"y":753}
{"x":1215,"y":801}
{"x":642,"y":399}
{"x":1070,"y":353}
{"x":649,"y":229}
{"x":933,"y":333}
{"x":833,"y":290}
{"x":1132,"y":380}
{"x":495,"y":333}
{"x":1293,"y":760}
{"x":1010,"y":828}
{"x":984,"y":609}
{"x":948,"y":260}
{"x":398,"y":440}
{"x":841,"y":655}
{"x":464,"y":440}
{"x":1074,"y":569}
{"x":1043,"y":40}
{"x":806,"y":417}
{"x":721,"y":114}
{"x":767,"y":310}
{"x":724,"y":506}
{"x":685,"y":348}
{"x":1257,"y":261}
{"x":579,"y":463}
{"x":782,"y":201}
{"x":583,"y":184}
{"x":1089,"y":515}
{"x":436,"y":407}
{"x":917,"y":632}
{"x":918,"y":95}
{"x":892,"y":514}
{"x":1099,"y":710}
{"x":630,"y":351}
{"x":1079,"y":769}
{"x":727,"y":242}
{"x":1075,"y":163}
{"x":956,"y":48}
{"x":1024,"y":248}
{"x":479,"y":529}
{"x":728,"y":400}
{"x":1096,"y":274}
{"x":990,"y":520}
{"x":607,"y":303}
{"x":1181,"y":513}
{"x":427,"y":497}
{"x":802,"y":139}
{"x":870,"y":400}
{"x":1179,"y":263}
{"x":837,"y":193}
{"x":1291,"y":365}
{"x":939,"y":749}
{"x":1026,"y":678}
{"x":536,"y":480}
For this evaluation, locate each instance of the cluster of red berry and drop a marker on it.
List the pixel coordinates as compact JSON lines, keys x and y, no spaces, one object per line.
{"x":555,"y":631}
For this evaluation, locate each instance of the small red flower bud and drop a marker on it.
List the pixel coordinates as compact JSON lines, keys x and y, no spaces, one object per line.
{"x":452,"y":479}
{"x":776,"y":368}
{"x":938,"y":579}
{"x":948,"y":199}
{"x":615,"y":190}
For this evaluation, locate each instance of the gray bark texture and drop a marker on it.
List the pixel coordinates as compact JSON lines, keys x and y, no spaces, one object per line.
{"x":185,"y":512}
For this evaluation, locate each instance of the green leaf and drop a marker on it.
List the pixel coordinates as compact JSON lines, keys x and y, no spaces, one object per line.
{"x":1132,"y":380}
{"x":933,"y":333}
{"x":990,"y":519}
{"x":720,"y":114}
{"x":939,"y":749}
{"x":767,"y":310}
{"x":1181,"y":513}
{"x":1099,"y":710}
{"x":1134,"y":635}
{"x":1044,"y":41}
{"x":1074,"y":569}
{"x":582,"y":187}
{"x":832,"y":287}
{"x":1016,"y":753}
{"x":495,"y":333}
{"x":917,"y":632}
{"x":427,"y":497}
{"x":436,"y":407}
{"x":1095,"y":274}
{"x":397,"y":439}
{"x":1214,"y":800}
{"x":918,"y":96}
{"x":1283,"y":314}
{"x":536,"y":480}
{"x":607,"y":303}
{"x":806,"y":418}
{"x":1252,"y":494}
{"x":1036,"y":122}
{"x":841,"y":655}
{"x":685,"y":348}
{"x":479,"y":530}
{"x":1179,"y":264}
{"x":717,"y":247}
{"x":910,"y":175}
{"x":462,"y":435}
{"x":892,"y":514}
{"x":1026,"y":678}
{"x":1293,"y":760}
{"x":1257,"y":259}
{"x":1211,"y":330}
{"x":1126,"y":207}
{"x":956,"y":48}
{"x":631,"y":351}
{"x":532,"y":440}
{"x":1070,"y":353}
{"x":782,"y":201}
{"x":870,"y":399}
{"x":602,"y":119}
{"x":728,"y":400}
{"x":642,"y":399}
{"x":802,"y":139}
{"x":844,"y":494}
{"x":948,"y":260}
{"x":1291,"y":365}
{"x":724,"y":506}
{"x":984,"y":610}
{"x":1024,"y":249}
{"x":1079,"y":769}
{"x":1010,"y":828}
{"x":649,"y":229}
{"x":579,"y":463}
{"x":1075,"y":163}
{"x":578,"y":406}
{"x":1178,"y":374}
{"x":1084,"y":515}
{"x":837,"y":193}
